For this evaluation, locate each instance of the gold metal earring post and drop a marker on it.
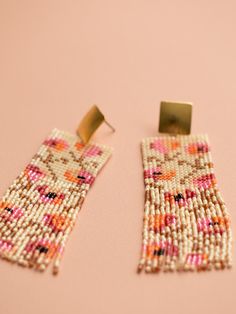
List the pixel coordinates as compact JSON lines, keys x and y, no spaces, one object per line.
{"x":175,"y":117}
{"x":93,"y":119}
{"x":109,"y":125}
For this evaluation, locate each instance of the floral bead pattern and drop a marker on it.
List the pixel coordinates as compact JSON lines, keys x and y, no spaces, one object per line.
{"x":205,"y":181}
{"x":56,"y":143}
{"x":158,"y":174}
{"x":5,"y":245}
{"x":34,"y":173}
{"x":162,"y":248}
{"x":57,"y":222}
{"x":50,"y":196}
{"x":163,"y":147}
{"x":43,"y":248}
{"x":197,"y":148}
{"x":196,"y":259}
{"x":40,"y":208}
{"x":93,"y":151}
{"x":79,"y":176}
{"x":79,"y":146}
{"x":186,"y":224}
{"x":10,"y":212}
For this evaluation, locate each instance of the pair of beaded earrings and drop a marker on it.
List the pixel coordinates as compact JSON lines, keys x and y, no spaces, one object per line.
{"x":185,"y":225}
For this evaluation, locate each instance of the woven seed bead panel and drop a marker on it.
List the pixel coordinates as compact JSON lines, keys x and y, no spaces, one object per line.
{"x":186,"y":224}
{"x":40,"y":208}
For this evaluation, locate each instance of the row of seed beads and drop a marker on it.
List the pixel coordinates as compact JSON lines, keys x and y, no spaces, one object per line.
{"x":154,"y":262}
{"x":210,"y":207}
{"x":207,"y":208}
{"x":151,"y":203}
{"x":24,"y":227}
{"x":75,"y":203}
{"x":155,"y":206}
{"x":57,"y":238}
{"x":145,"y":232}
{"x":226,"y":254}
{"x":189,"y":212}
{"x":34,"y":231}
{"x":178,"y":233}
{"x":199,"y":213}
{"x":173,"y":209}
{"x":22,"y":224}
{"x":188,"y":226}
{"x":43,"y":232}
{"x":16,"y":226}
{"x":194,"y":238}
{"x":78,"y":203}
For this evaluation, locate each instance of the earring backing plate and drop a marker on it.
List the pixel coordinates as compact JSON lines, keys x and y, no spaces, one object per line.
{"x":175,"y":117}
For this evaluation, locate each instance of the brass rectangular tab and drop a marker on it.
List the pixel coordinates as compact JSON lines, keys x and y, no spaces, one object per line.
{"x":90,"y":123}
{"x":175,"y":117}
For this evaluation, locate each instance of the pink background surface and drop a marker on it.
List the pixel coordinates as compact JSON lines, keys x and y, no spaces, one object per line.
{"x":59,"y":57}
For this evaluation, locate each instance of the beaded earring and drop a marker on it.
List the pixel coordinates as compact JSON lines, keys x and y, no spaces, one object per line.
{"x":40,"y":208}
{"x":186,"y":224}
